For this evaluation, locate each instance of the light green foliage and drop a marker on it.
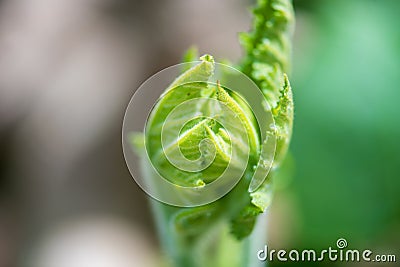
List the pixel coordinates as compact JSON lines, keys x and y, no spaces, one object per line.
{"x":190,"y":85}
{"x":267,"y":56}
{"x":269,"y":43}
{"x":268,"y":52}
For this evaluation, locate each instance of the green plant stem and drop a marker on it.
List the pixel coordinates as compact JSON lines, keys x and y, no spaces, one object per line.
{"x":215,"y":247}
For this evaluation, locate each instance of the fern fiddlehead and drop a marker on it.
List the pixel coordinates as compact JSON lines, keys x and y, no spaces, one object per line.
{"x":212,"y":131}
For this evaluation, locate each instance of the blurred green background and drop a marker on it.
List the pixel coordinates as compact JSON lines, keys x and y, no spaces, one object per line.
{"x":69,"y":68}
{"x":345,"y":148}
{"x":346,"y":138}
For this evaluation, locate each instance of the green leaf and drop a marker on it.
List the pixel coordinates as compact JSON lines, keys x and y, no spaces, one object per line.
{"x":173,"y":141}
{"x":270,"y":40}
{"x":267,"y":55}
{"x":283,"y":116}
{"x":262,"y":197}
{"x":243,"y":224}
{"x":267,"y":50}
{"x":190,"y":222}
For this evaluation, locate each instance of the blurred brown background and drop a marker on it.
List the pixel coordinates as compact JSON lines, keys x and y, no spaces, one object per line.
{"x":69,"y":68}
{"x":67,"y":72}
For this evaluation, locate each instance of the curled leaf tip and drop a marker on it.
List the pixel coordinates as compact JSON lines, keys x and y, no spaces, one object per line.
{"x":207,"y":58}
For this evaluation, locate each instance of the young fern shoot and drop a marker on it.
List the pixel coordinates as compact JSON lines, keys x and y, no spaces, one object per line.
{"x":222,"y":232}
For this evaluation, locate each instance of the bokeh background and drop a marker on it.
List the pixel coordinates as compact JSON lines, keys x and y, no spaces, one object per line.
{"x":69,"y":68}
